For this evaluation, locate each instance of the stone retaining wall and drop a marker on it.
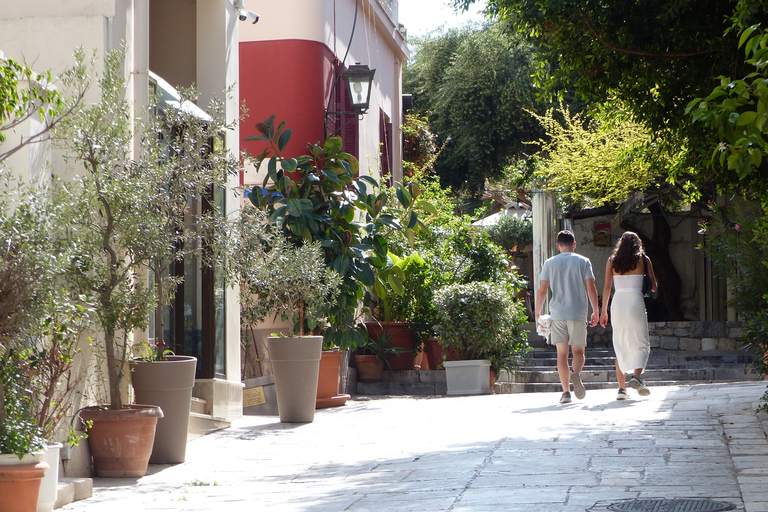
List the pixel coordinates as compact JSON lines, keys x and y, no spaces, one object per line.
{"x":703,"y":336}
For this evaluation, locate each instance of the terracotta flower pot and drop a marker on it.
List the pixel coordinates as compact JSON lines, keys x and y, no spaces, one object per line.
{"x":121,"y":441}
{"x":369,"y":368}
{"x":401,"y":337}
{"x":167,"y":384}
{"x":433,"y":352}
{"x":20,"y":482}
{"x":328,"y":381}
{"x":296,"y":366}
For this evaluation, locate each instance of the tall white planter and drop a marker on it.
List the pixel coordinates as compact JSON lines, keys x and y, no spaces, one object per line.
{"x":472,"y":377}
{"x":50,"y":482}
{"x":296,"y":365}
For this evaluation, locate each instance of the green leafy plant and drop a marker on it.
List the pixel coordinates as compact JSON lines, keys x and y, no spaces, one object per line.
{"x":737,"y":243}
{"x":19,"y":433}
{"x":149,"y":351}
{"x":278,"y":279}
{"x":317,"y":197}
{"x":481,"y":320}
{"x":43,"y":322}
{"x":378,"y":346}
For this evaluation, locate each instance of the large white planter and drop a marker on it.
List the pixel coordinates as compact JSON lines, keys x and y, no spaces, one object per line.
{"x":167,"y":384}
{"x":296,"y":365}
{"x":468,"y":377}
{"x":50,"y":482}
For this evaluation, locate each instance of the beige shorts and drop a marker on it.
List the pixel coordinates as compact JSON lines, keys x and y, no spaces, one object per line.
{"x":573,"y":332}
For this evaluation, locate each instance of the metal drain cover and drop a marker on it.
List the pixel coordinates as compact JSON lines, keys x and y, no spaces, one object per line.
{"x":671,"y":506}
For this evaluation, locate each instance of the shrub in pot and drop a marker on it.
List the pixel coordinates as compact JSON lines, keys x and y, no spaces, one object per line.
{"x":481,"y":321}
{"x":42,"y":322}
{"x":375,"y":355}
{"x":394,"y":300}
{"x":21,"y":444}
{"x":294,"y":284}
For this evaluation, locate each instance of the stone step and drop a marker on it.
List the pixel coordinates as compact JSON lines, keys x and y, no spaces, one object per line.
{"x":72,"y":489}
{"x":199,"y":405}
{"x":539,"y":372}
{"x":550,"y":387}
{"x":722,"y":373}
{"x":406,"y":382}
{"x":202,"y":424}
{"x":600,"y":356}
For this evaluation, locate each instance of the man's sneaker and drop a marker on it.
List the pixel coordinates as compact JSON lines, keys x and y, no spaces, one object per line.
{"x":566,"y":398}
{"x":578,"y":386}
{"x":639,"y":386}
{"x":622,"y":394}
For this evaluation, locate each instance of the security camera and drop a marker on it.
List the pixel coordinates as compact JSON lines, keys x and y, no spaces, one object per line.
{"x":248,"y":16}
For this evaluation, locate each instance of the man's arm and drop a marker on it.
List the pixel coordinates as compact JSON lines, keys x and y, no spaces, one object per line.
{"x":592,"y":293}
{"x":541,"y":297}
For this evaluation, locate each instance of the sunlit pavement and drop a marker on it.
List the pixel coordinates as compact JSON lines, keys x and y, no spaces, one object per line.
{"x":483,"y":453}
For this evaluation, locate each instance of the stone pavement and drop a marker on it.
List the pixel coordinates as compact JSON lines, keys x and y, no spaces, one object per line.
{"x":520,"y":452}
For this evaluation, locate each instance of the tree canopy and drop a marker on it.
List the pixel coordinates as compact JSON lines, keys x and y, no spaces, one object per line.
{"x":655,"y":56}
{"x":594,"y":161}
{"x":474,"y":84}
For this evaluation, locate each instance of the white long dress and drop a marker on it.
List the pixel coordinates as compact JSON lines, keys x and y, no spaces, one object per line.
{"x":630,"y":323}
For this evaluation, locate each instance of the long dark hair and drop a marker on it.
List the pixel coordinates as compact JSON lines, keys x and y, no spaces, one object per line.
{"x":628,"y":253}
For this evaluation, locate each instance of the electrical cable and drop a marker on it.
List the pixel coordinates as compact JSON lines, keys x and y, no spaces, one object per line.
{"x":341,"y":67}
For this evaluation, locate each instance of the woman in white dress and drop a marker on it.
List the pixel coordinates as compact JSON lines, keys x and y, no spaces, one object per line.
{"x":625,"y":270}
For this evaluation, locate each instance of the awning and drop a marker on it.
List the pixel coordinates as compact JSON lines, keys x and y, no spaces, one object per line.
{"x":168,"y":96}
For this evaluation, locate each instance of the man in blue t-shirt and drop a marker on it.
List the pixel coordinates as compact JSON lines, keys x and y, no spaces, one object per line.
{"x":570,"y":279}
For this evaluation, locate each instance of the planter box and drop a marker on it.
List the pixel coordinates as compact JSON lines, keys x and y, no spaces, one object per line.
{"x":50,"y":483}
{"x":259,"y":397}
{"x":468,"y":377}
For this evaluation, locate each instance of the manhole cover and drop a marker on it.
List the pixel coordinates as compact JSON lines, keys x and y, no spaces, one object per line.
{"x":671,"y":506}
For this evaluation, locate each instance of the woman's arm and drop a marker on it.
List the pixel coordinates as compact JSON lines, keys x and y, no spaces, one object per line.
{"x":651,"y":274}
{"x":606,"y":292}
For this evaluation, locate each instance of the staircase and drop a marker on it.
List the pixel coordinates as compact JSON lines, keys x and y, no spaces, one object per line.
{"x":665,"y":367}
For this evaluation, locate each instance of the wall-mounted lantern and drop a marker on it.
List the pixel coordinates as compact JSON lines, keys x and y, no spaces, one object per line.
{"x":359,"y":79}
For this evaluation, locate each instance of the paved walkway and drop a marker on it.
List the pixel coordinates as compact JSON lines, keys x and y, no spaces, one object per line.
{"x":500,"y":452}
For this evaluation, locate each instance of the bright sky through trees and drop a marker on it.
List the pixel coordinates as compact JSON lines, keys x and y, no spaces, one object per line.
{"x":422,"y":16}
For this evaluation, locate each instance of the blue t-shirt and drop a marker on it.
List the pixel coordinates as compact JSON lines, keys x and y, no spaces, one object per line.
{"x":566,"y":274}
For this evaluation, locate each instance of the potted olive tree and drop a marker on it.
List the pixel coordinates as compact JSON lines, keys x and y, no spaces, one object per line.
{"x":127,"y":216}
{"x":191,"y":162}
{"x":482,"y":322}
{"x":291,"y":283}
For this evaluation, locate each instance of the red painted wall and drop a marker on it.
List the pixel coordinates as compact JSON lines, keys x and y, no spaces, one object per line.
{"x":288,"y":78}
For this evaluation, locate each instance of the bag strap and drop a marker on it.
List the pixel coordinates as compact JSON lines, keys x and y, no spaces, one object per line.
{"x":645,"y":265}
